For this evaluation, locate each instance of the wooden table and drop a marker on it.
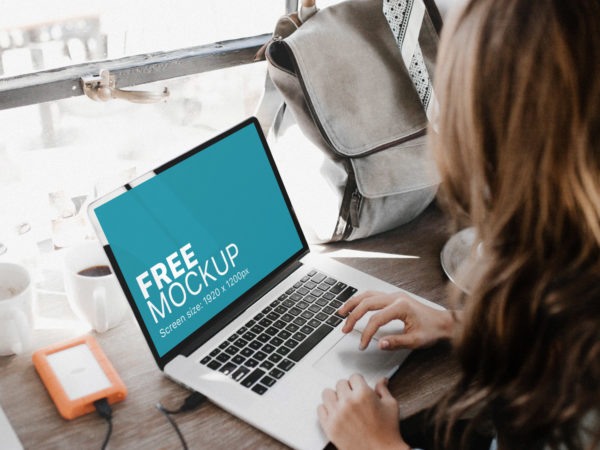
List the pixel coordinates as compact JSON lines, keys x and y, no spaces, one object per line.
{"x":137,"y":423}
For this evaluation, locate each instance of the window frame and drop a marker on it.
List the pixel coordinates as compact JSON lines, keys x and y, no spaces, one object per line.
{"x":56,"y":84}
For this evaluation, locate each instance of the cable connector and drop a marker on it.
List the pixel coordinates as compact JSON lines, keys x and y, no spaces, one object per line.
{"x":103,"y":408}
{"x":192,"y":401}
{"x":105,"y":411}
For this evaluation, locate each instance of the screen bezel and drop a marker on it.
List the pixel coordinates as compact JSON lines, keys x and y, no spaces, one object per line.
{"x":236,"y":307}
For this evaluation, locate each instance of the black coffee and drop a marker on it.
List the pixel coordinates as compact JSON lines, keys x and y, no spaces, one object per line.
{"x":96,"y":271}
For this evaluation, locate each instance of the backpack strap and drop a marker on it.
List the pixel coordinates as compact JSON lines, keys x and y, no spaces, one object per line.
{"x":406,"y":18}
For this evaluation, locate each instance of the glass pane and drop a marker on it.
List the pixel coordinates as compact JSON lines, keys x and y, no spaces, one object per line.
{"x":37,"y":35}
{"x":56,"y":157}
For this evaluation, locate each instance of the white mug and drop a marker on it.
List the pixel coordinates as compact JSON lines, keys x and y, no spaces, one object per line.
{"x":97,"y":300}
{"x":16,"y":309}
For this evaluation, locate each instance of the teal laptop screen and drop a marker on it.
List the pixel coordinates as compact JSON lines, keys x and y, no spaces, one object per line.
{"x":195,"y":237}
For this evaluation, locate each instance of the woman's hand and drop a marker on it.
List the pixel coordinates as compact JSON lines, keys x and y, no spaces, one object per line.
{"x":423,"y":325}
{"x":354,"y":416}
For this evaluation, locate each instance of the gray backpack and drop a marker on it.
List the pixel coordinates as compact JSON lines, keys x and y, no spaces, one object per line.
{"x":342,"y":76}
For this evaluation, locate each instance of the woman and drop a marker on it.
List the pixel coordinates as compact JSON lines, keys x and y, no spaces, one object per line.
{"x":518,"y":148}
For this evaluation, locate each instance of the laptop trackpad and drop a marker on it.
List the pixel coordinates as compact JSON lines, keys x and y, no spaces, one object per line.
{"x":345,"y":359}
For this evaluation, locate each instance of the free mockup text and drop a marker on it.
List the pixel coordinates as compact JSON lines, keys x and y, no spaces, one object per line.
{"x":167,"y":285}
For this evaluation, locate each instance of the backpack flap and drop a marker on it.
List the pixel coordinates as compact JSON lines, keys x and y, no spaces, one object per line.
{"x":354,"y":79}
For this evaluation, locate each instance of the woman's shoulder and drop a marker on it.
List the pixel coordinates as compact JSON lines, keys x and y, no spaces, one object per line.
{"x":590,"y":428}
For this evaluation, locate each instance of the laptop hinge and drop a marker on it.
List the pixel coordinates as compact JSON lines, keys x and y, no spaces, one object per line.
{"x":247,"y":303}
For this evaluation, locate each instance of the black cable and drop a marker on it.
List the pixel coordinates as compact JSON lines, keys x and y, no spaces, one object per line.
{"x":105,"y":411}
{"x":167,"y":414}
{"x":191,"y":402}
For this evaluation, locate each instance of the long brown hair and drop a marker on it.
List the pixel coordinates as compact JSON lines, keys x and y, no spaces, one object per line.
{"x":518,"y":149}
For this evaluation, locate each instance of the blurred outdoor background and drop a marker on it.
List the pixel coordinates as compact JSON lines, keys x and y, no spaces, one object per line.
{"x":57,"y":156}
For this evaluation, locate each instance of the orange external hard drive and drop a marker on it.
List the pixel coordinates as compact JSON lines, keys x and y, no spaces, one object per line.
{"x":76,"y":373}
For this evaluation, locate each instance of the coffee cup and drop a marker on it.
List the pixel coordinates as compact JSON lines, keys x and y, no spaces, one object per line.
{"x":16,"y":309}
{"x":92,"y":288}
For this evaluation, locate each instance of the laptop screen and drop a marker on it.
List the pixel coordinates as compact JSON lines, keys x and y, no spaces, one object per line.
{"x":204,"y":230}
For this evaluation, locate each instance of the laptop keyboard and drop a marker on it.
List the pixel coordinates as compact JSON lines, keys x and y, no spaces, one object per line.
{"x":268,"y":346}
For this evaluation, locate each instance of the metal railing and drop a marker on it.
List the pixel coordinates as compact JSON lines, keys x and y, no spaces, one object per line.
{"x":65,"y":82}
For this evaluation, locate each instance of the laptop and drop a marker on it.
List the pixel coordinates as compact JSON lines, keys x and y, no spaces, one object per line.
{"x":230,"y":299}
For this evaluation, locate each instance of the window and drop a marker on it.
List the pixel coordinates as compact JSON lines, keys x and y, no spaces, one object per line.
{"x":59,"y":149}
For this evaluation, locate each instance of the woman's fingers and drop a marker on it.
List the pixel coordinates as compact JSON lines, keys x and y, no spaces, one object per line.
{"x":343,"y":388}
{"x":357,"y":382}
{"x":322,"y":414}
{"x":400,"y":309}
{"x":396,"y":341}
{"x":368,"y":304}
{"x":330,"y":398}
{"x":381,"y":389}
{"x":353,"y":301}
{"x":377,"y":320}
